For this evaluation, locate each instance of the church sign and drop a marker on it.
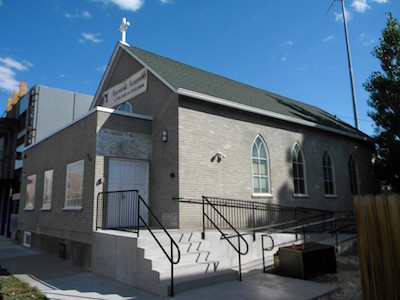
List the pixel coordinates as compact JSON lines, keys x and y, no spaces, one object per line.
{"x":128,"y":89}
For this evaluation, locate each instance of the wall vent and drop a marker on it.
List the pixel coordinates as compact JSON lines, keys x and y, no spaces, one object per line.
{"x":27,"y":239}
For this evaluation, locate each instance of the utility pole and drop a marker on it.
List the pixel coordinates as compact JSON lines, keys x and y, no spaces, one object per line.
{"x":353,"y":92}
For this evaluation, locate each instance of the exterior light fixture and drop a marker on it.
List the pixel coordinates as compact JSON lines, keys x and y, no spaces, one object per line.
{"x":164,"y":135}
{"x":219,"y":156}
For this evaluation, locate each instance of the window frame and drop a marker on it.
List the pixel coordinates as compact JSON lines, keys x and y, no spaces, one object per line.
{"x":326,"y":168}
{"x":72,"y":168}
{"x":354,"y":175}
{"x":47,"y":189}
{"x":30,"y":203}
{"x":295,"y":164}
{"x":126,"y":103}
{"x":266,"y":176}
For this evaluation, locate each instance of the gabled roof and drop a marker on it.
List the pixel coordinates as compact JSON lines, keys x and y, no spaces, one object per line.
{"x":190,"y":81}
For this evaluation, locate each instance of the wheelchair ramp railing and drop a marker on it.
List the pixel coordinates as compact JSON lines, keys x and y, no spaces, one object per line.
{"x":125,"y":210}
{"x":213,"y":217}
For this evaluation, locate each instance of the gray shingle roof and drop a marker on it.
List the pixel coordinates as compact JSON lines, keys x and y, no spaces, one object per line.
{"x":182,"y":76}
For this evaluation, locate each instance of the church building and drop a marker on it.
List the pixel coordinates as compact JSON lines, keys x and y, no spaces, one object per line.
{"x":175,"y":132}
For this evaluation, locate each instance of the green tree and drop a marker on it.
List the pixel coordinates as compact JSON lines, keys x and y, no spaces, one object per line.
{"x":384,"y":89}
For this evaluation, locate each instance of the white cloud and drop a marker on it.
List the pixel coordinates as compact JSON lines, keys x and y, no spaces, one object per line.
{"x":380,"y":1}
{"x":166,"y":1}
{"x":328,"y":39}
{"x":7,"y":79}
{"x":283,"y":58}
{"x":84,"y":14}
{"x":91,"y":37}
{"x":360,"y":6}
{"x":8,"y":69}
{"x":339,"y":16}
{"x":102,"y":68}
{"x":130,"y":5}
{"x":1,"y":2}
{"x":11,"y":63}
{"x":366,"y":42}
{"x":289,"y":43}
{"x":369,"y":42}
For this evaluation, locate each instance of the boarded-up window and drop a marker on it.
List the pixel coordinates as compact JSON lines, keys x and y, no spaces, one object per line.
{"x":47,"y":189}
{"x":74,"y":184}
{"x":30,"y":192}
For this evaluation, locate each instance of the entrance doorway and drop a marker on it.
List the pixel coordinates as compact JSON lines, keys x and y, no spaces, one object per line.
{"x":128,"y":175}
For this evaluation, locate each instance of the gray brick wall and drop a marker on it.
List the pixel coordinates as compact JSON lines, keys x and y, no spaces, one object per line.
{"x":74,"y":143}
{"x":161,"y":104}
{"x":206,"y":129}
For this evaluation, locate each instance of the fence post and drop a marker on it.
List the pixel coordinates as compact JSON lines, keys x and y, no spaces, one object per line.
{"x":138,"y":213}
{"x":240,"y":260}
{"x":203,"y":232}
{"x":172,"y":270}
{"x":97,"y":211}
{"x":336,"y":233}
{"x":297,"y":223}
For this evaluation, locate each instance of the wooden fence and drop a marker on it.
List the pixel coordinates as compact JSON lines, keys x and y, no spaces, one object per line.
{"x":378,"y":235}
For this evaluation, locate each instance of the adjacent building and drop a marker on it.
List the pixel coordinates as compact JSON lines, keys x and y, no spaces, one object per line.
{"x":30,"y":116}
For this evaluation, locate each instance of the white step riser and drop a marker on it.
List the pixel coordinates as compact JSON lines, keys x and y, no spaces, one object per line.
{"x":186,"y":260}
{"x":195,"y":247}
{"x":165,"y":241}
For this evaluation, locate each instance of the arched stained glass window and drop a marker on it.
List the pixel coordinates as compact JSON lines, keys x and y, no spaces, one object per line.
{"x":299,"y":170}
{"x":260,"y":167}
{"x":353,"y":172}
{"x":329,"y":174}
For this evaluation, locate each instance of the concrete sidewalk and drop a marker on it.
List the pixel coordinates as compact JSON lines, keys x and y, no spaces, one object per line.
{"x":57,"y":279}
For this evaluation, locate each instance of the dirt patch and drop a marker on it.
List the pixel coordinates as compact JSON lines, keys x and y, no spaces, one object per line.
{"x":3,"y":271}
{"x":347,"y":278}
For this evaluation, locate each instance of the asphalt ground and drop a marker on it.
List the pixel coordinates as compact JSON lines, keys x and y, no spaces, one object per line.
{"x":58,"y":279}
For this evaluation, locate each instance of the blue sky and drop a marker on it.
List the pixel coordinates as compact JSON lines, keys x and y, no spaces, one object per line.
{"x":290,"y":47}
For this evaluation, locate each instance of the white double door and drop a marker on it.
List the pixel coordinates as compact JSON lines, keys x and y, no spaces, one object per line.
{"x":128,"y":175}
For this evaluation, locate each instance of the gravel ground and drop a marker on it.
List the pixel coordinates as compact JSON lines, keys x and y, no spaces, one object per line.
{"x":347,"y":278}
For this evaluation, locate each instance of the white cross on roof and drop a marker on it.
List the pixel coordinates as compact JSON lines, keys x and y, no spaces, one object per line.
{"x":123,"y":28}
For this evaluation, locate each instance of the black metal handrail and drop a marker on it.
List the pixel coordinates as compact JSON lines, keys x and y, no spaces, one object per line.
{"x":263,"y":248}
{"x":224,"y":235}
{"x":117,"y":210}
{"x":131,"y":209}
{"x":245,"y":215}
{"x":301,"y":228}
{"x":172,"y":242}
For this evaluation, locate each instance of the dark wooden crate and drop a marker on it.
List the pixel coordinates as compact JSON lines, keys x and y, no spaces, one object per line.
{"x":314,"y":259}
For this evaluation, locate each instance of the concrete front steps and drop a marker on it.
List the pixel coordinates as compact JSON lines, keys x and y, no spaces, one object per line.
{"x":209,"y":261}
{"x":198,"y":265}
{"x":140,"y":262}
